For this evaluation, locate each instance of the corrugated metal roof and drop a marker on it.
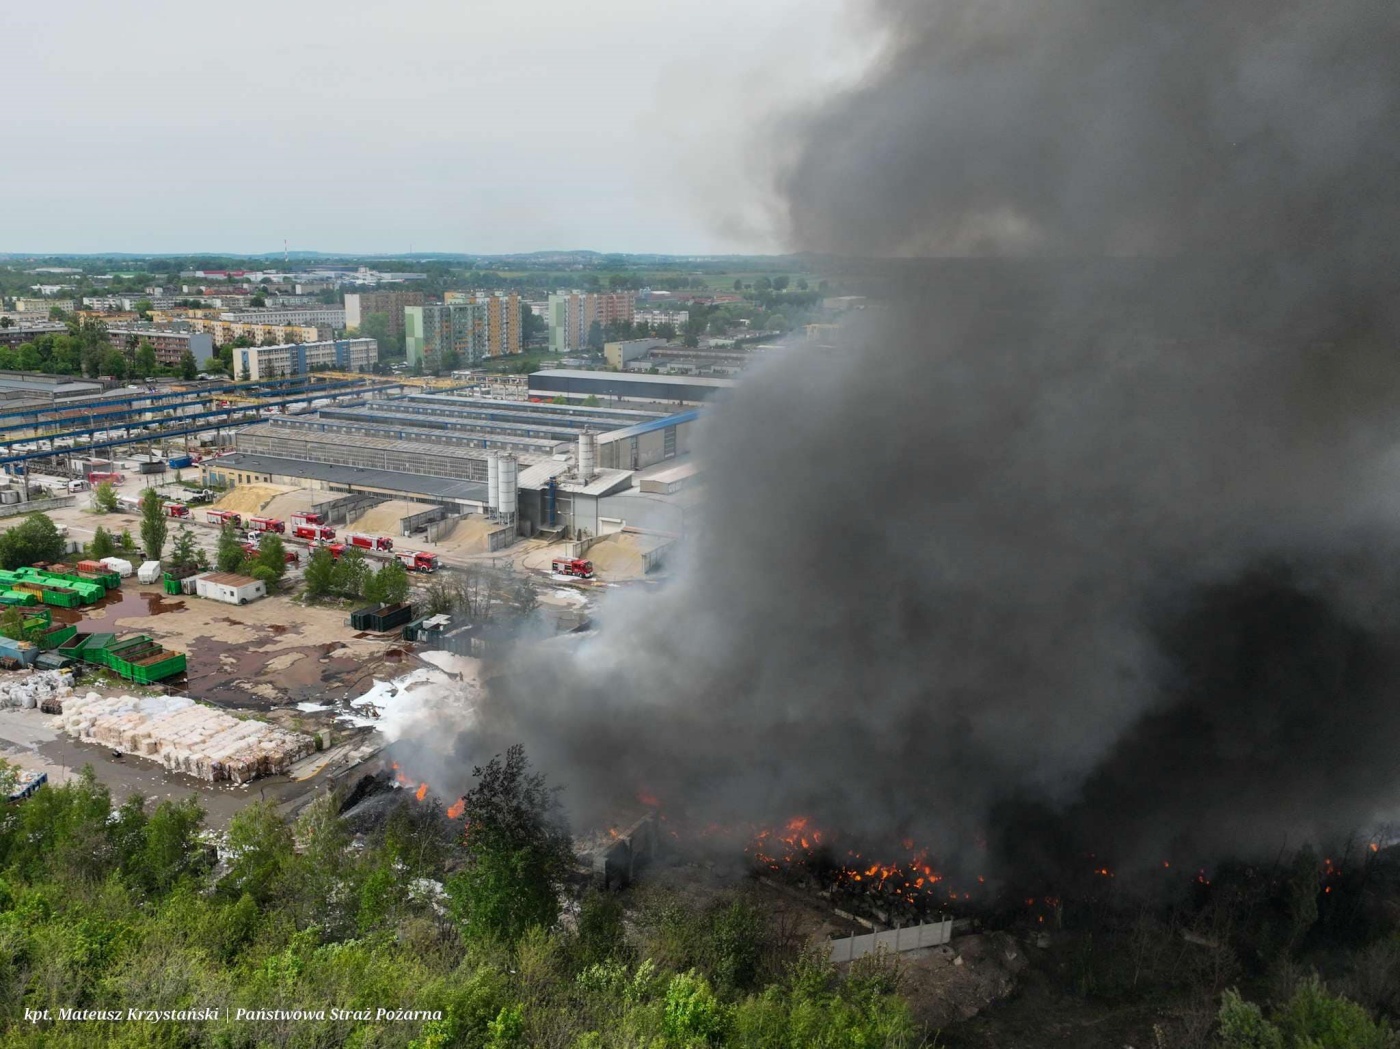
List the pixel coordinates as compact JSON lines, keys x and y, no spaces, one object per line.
{"x":641,"y":428}
{"x":628,"y":377}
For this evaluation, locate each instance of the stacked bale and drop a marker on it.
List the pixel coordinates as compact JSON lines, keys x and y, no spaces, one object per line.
{"x":185,"y":736}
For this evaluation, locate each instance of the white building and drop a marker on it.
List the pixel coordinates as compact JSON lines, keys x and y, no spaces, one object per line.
{"x":309,"y":316}
{"x":229,"y":588}
{"x":272,"y":362}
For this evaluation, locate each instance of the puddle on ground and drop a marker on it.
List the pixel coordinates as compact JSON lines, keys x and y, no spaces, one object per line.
{"x":126,"y":604}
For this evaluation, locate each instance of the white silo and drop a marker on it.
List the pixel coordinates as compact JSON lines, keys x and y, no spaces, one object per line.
{"x":587,"y":455}
{"x":509,"y":488}
{"x":493,"y":483}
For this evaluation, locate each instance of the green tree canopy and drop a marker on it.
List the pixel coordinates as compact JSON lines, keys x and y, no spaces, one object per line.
{"x":104,"y":497}
{"x":34,"y":539}
{"x":153,"y":524}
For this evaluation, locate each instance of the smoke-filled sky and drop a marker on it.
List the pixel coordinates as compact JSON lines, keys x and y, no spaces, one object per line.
{"x":1088,"y":543}
{"x":427,"y":125}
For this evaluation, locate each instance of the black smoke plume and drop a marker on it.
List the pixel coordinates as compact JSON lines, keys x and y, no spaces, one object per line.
{"x":1085,"y":539}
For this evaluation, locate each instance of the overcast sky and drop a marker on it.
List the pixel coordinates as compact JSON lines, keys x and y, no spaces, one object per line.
{"x":397,"y":125}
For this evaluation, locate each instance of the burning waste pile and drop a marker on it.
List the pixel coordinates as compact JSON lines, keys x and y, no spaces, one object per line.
{"x":1079,"y":554}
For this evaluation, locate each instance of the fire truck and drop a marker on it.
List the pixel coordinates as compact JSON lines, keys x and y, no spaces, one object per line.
{"x":418,"y":561}
{"x":573,"y":566}
{"x":175,"y":509}
{"x":308,"y":517}
{"x":252,"y":550}
{"x":266,"y":524}
{"x":98,"y":476}
{"x":223,"y":517}
{"x":313,"y":532}
{"x":370,"y":542}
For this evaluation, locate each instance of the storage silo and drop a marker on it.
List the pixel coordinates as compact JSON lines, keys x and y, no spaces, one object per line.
{"x":509,"y":488}
{"x":587,"y":455}
{"x":493,"y":483}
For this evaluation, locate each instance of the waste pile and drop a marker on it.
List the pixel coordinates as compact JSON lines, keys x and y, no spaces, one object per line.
{"x":41,"y":687}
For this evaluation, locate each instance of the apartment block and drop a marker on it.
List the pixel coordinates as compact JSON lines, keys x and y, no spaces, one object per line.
{"x":359,"y":305}
{"x":169,"y":345}
{"x":224,"y":332}
{"x":572,"y":314}
{"x":274,"y":362}
{"x":466,"y":331}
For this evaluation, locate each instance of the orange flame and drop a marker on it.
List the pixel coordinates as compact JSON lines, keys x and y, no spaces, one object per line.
{"x":455,"y":810}
{"x":421,"y":792}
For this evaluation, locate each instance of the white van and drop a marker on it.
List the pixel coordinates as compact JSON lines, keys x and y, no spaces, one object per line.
{"x":78,"y":486}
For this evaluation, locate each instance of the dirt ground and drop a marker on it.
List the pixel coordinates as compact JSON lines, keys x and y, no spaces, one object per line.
{"x":265,"y":655}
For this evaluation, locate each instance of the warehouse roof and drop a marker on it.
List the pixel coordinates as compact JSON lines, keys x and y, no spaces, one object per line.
{"x":355,"y":477}
{"x":628,"y":377}
{"x":655,"y":424}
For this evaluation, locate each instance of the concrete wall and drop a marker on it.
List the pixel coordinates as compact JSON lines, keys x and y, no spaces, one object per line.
{"x":929,"y":934}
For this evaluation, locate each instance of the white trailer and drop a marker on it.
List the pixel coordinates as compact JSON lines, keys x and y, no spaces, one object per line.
{"x":229,"y":588}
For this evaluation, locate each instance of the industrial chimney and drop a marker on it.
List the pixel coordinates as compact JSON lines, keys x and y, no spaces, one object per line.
{"x":493,"y":483}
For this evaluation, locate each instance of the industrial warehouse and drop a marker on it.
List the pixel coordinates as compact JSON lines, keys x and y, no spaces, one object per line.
{"x":561,"y":459}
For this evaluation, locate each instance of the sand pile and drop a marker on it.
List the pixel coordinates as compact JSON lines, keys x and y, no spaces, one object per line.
{"x":184,"y":736}
{"x":468,"y":536}
{"x":617,"y":557}
{"x":251,"y":498}
{"x":295,"y":501}
{"x":384,"y":519}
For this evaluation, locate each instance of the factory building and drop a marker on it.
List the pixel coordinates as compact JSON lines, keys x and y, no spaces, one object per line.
{"x":614,"y":387}
{"x":441,"y":448}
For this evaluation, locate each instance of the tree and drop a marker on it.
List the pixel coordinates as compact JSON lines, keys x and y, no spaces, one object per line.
{"x":104,"y":497}
{"x":780,"y":283}
{"x":6,"y":322}
{"x":261,"y":846}
{"x":350,"y":575}
{"x":35,"y":539}
{"x":102,"y":545}
{"x":229,"y":555}
{"x":763,"y":284}
{"x":320,"y":573}
{"x":185,"y":552}
{"x":519,"y":849}
{"x":113,"y":363}
{"x":595,"y":336}
{"x":146,"y":364}
{"x":738,"y":284}
{"x":389,"y":585}
{"x":153,"y":524}
{"x":257,"y":302}
{"x":189,"y":368}
{"x":378,"y":327}
{"x":801,"y":283}
{"x":272,"y":557}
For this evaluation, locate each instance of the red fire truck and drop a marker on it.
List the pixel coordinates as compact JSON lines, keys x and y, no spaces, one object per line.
{"x":370,"y":542}
{"x":290,"y":556}
{"x":308,"y":517}
{"x":418,"y":561}
{"x":313,"y":532}
{"x":98,"y":476}
{"x":175,"y":509}
{"x":265,"y":524}
{"x":573,"y":566}
{"x":223,"y":517}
